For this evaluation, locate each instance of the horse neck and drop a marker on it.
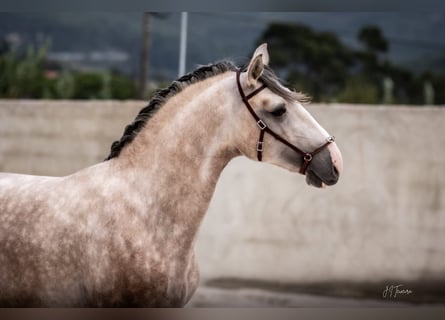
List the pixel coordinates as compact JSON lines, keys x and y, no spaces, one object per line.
{"x":178,"y":156}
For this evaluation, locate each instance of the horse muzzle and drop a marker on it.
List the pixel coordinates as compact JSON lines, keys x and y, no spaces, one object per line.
{"x":326,"y":168}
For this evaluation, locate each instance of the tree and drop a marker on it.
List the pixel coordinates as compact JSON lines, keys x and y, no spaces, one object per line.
{"x":30,"y":75}
{"x":22,"y":76}
{"x":359,"y":90}
{"x":316,"y":62}
{"x":374,"y":44}
{"x":373,"y":40}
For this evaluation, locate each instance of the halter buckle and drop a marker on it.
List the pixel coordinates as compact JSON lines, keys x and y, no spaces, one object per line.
{"x":259,"y":146}
{"x":330,"y":139}
{"x":261,"y":124}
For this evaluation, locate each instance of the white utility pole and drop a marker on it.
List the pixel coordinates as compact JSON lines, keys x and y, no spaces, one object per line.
{"x":183,"y":44}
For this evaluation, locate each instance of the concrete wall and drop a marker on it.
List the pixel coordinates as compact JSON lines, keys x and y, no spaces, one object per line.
{"x":59,"y":137}
{"x":385,"y":219}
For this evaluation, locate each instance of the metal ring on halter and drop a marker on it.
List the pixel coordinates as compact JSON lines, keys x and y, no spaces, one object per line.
{"x":307,"y":157}
{"x":331,"y":139}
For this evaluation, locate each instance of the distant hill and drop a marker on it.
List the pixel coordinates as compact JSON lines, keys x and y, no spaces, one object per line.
{"x":104,"y":40}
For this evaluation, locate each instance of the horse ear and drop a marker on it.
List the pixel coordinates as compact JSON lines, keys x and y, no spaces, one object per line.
{"x":255,"y":69}
{"x":262,"y":49}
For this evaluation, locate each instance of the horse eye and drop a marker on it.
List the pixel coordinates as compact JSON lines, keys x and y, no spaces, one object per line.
{"x":279,"y":111}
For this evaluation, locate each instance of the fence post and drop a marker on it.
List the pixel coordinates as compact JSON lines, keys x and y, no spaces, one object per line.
{"x":428,"y":93}
{"x":388,"y":86}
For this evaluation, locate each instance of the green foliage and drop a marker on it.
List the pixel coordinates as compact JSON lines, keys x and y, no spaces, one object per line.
{"x":359,"y":90}
{"x":373,"y":39}
{"x":320,"y":65}
{"x":315,"y":60}
{"x":88,"y":85}
{"x":65,"y":85}
{"x":93,"y":85}
{"x":122,"y":87}
{"x":22,"y":78}
{"x":28,"y":76}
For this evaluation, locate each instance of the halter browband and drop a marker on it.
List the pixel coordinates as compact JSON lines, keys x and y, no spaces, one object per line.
{"x":307,"y":156}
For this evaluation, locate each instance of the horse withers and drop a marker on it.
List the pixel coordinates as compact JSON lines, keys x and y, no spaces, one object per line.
{"x":122,"y":232}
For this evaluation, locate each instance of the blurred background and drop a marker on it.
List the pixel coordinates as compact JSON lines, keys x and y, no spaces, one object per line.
{"x":390,"y":58}
{"x":71,"y":82}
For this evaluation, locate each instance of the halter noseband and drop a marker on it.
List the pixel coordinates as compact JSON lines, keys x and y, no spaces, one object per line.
{"x":307,"y":156}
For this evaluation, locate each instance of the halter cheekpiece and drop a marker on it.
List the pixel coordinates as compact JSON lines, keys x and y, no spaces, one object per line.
{"x":307,"y":156}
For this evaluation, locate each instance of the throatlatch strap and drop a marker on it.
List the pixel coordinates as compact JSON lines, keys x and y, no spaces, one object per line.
{"x":259,"y":147}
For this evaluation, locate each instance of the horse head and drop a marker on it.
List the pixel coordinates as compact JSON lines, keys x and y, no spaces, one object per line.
{"x":286,"y":134}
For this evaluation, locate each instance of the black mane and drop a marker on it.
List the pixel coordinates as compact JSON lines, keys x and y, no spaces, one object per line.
{"x":159,"y":99}
{"x":268,"y":77}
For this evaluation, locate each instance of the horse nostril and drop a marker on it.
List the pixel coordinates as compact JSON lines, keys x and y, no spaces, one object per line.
{"x":335,"y":171}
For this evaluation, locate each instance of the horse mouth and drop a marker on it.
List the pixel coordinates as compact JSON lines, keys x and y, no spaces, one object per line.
{"x":313,"y":179}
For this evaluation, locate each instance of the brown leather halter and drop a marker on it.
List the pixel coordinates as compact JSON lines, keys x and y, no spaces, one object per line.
{"x":307,"y":156}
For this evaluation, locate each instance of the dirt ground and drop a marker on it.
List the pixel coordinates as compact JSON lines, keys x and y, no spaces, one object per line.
{"x":242,"y":293}
{"x":255,"y":298}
